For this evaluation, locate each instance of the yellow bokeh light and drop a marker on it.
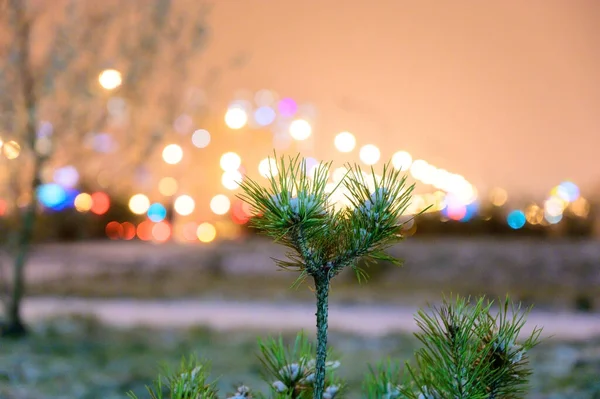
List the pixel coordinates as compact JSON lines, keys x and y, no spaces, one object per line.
{"x":167,"y":186}
{"x":83,"y":202}
{"x":534,"y":214}
{"x":139,"y":204}
{"x":236,"y":117}
{"x":11,"y":149}
{"x":230,"y":161}
{"x":231,"y":179}
{"x":401,"y":160}
{"x":268,"y":167}
{"x":206,"y":232}
{"x":300,"y":129}
{"x":369,"y":154}
{"x":580,"y":207}
{"x":110,"y":79}
{"x":184,"y":205}
{"x":345,"y":142}
{"x":172,"y":154}
{"x":498,"y":196}
{"x":220,"y":204}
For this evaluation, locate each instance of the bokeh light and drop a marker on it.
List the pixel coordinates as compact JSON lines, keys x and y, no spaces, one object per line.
{"x":498,"y":196}
{"x":220,"y":204}
{"x":161,"y":231}
{"x":183,"y":124}
{"x":144,"y":230}
{"x":11,"y":149}
{"x":534,"y":214}
{"x":338,"y":174}
{"x":287,"y":107}
{"x":231,"y":179}
{"x":114,"y":230}
{"x":401,"y":160}
{"x":51,"y":195}
{"x":100,"y":203}
{"x":268,"y":167}
{"x":580,"y":207}
{"x":264,"y":97}
{"x":300,"y":129}
{"x":418,"y":169}
{"x":128,"y":231}
{"x":157,"y":212}
{"x":369,"y":154}
{"x":264,"y":115}
{"x":344,"y":142}
{"x":567,"y":191}
{"x":206,"y":232}
{"x":167,"y":186}
{"x":189,"y":231}
{"x":66,"y":176}
{"x":236,"y":117}
{"x":110,"y":79}
{"x":83,"y":202}
{"x":516,"y":219}
{"x":184,"y":205}
{"x":139,"y":204}
{"x":201,"y":138}
{"x":172,"y":154}
{"x":230,"y":161}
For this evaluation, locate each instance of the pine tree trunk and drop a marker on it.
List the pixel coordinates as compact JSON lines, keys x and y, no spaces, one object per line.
{"x":322,"y":293}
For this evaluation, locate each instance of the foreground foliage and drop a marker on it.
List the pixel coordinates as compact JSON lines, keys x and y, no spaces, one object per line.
{"x":468,"y":352}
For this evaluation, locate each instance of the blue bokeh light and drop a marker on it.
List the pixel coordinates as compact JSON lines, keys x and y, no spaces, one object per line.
{"x":157,"y":212}
{"x":51,"y":195}
{"x":516,"y":219}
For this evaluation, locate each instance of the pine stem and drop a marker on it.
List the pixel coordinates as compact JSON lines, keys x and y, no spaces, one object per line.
{"x":322,"y":293}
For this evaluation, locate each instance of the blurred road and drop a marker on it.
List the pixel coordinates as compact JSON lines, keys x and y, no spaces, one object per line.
{"x":373,"y":320}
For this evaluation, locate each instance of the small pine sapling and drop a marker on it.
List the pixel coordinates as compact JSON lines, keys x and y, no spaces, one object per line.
{"x":296,"y":210}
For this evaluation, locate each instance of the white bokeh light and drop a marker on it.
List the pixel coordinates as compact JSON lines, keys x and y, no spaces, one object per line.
{"x":172,"y":154}
{"x":401,"y":160}
{"x":268,"y":167}
{"x":230,"y":161}
{"x":369,"y":154}
{"x":345,"y":142}
{"x":220,"y":204}
{"x":184,"y":205}
{"x":236,"y":117}
{"x":231,"y":179}
{"x":201,"y":138}
{"x":300,"y":129}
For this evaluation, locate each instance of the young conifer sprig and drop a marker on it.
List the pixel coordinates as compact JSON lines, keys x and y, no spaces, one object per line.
{"x":373,"y":223}
{"x":470,"y":353}
{"x":293,"y":209}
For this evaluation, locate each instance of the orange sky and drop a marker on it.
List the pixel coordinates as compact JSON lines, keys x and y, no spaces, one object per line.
{"x":504,"y":92}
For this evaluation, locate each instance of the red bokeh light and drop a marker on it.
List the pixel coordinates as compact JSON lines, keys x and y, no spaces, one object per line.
{"x":100,"y":203}
{"x":144,"y":230}
{"x":128,"y":231}
{"x":114,"y":230}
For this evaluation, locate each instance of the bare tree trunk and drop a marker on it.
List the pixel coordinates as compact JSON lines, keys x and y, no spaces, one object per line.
{"x":14,"y":325}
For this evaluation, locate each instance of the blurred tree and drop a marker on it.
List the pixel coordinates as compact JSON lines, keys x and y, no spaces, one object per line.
{"x":92,"y":85}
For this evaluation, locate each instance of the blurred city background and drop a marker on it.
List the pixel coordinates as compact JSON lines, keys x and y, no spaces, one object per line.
{"x":125,"y":127}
